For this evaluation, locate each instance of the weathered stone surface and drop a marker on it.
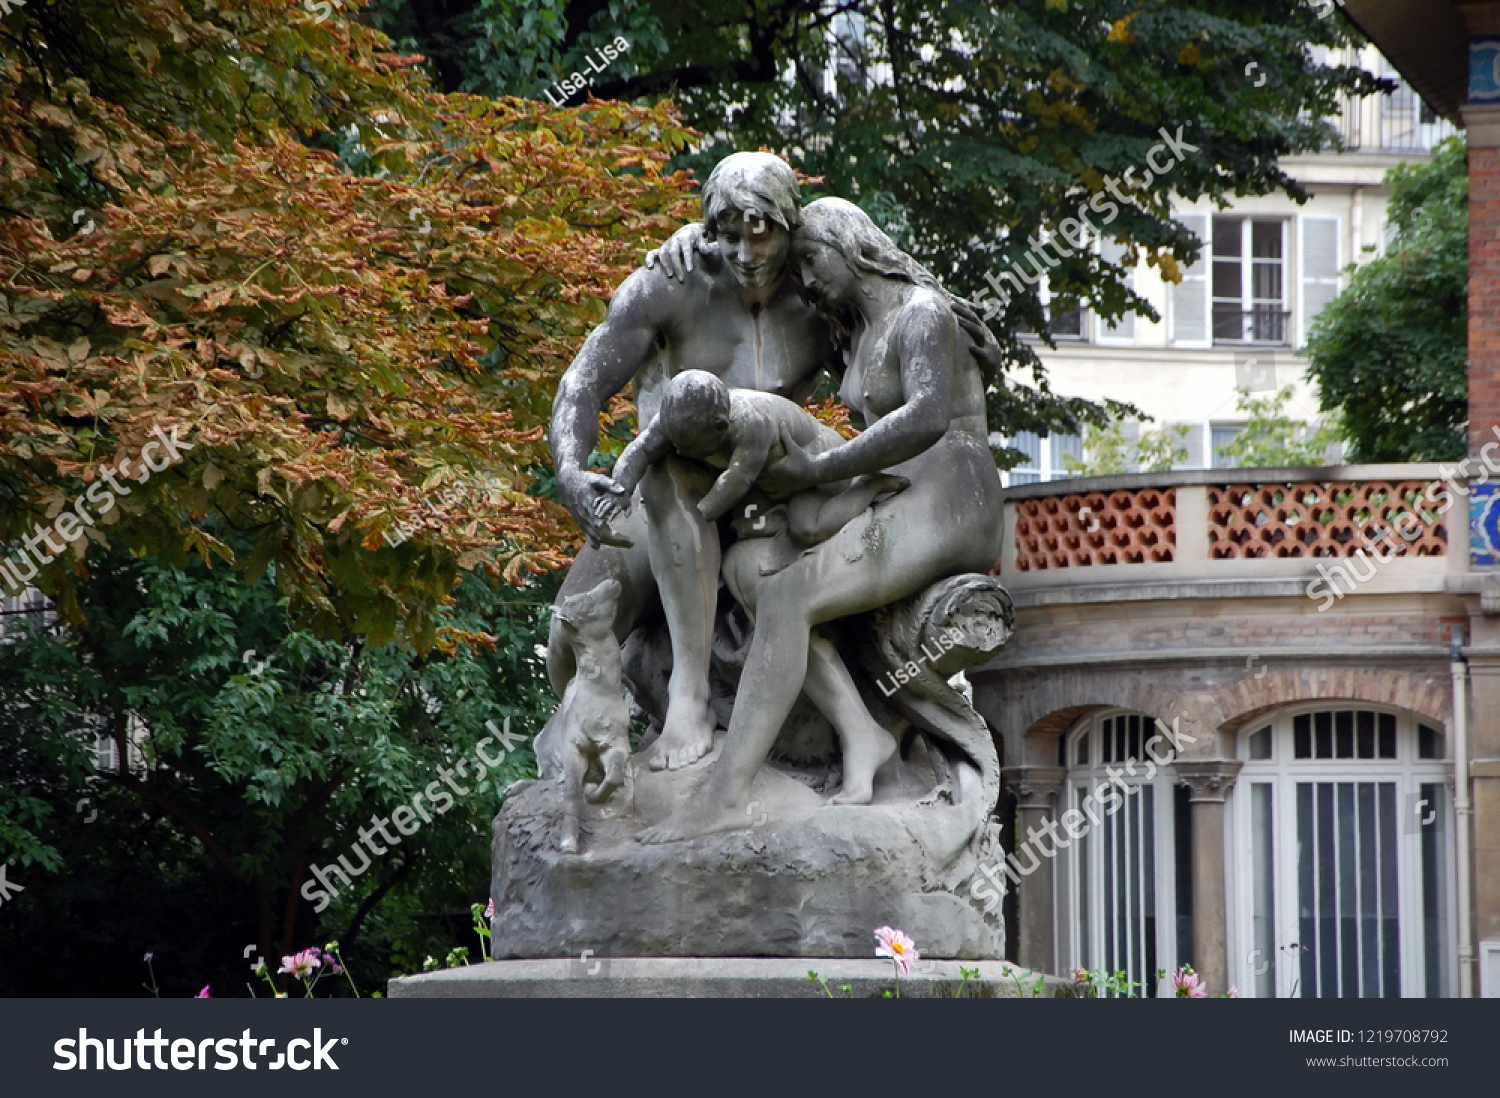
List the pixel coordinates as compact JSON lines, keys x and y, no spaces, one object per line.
{"x":722,"y":978}
{"x":807,"y":879}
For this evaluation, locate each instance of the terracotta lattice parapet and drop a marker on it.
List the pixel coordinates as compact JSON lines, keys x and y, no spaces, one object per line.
{"x":1333,"y":519}
{"x":1078,"y":530}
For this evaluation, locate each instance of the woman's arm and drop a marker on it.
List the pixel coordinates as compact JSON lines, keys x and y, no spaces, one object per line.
{"x":926,"y":341}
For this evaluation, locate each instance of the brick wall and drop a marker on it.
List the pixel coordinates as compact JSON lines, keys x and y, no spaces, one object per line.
{"x":1484,"y":295}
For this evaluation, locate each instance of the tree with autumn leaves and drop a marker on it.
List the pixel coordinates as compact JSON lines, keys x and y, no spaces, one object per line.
{"x":350,"y":295}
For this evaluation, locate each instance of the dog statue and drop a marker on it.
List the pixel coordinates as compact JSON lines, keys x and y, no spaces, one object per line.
{"x":591,"y":728}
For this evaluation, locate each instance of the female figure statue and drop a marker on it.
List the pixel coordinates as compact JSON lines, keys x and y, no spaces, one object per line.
{"x":918,"y":361}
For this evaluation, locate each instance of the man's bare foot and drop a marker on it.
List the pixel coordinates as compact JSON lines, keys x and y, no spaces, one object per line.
{"x":696,"y":818}
{"x":864,"y":754}
{"x":683,"y":741}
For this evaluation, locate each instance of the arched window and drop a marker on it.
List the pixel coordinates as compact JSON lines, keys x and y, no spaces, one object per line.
{"x":1344,"y":867}
{"x":1119,"y":885}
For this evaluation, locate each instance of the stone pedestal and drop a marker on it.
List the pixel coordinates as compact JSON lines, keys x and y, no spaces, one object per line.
{"x":723,"y":978}
{"x":805,"y":879}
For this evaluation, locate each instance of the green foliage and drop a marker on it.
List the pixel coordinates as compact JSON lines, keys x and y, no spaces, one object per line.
{"x":1272,"y":439}
{"x":350,"y":293}
{"x":1108,"y":453}
{"x":262,"y":748}
{"x":964,"y":129}
{"x":1099,"y":984}
{"x":1390,"y":352}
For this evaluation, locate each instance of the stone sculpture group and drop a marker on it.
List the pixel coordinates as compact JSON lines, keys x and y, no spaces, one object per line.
{"x":779,"y":607}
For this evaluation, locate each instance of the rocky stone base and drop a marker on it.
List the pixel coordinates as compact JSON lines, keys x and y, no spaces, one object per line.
{"x":804,"y":879}
{"x":596,"y":977}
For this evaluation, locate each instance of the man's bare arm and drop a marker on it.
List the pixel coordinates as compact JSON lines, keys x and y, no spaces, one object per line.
{"x":609,"y":359}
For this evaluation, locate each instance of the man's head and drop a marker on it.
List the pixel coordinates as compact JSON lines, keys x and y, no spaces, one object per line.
{"x":695,"y":413}
{"x":750,"y":207}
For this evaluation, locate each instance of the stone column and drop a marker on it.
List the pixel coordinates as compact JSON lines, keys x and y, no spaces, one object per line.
{"x":1034,"y":788}
{"x":1210,"y":781}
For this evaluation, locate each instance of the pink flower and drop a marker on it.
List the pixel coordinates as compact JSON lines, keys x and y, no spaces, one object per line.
{"x":302,"y":965}
{"x":1080,"y":975}
{"x":892,"y":943}
{"x":1188,"y":983}
{"x":1232,"y":993}
{"x":148,"y":956}
{"x":204,"y":993}
{"x":489,"y":912}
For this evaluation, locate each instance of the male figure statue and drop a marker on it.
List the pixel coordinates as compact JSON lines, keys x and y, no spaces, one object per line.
{"x":737,"y":315}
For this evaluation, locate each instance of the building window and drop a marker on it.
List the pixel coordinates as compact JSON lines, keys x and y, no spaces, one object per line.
{"x":1119,"y":879}
{"x":1345,"y":816}
{"x":1066,"y":323}
{"x":1407,"y":124}
{"x":1045,"y":457}
{"x":1219,"y":437}
{"x":1249,"y":280}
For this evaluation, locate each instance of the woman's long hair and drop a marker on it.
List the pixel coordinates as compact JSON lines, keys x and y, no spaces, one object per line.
{"x":847,"y":229}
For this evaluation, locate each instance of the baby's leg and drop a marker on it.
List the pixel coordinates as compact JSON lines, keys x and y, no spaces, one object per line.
{"x":814,"y":516}
{"x":864,"y":743}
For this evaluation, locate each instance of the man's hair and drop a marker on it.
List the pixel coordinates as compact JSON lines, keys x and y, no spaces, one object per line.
{"x":694,"y":398}
{"x":752,"y":183}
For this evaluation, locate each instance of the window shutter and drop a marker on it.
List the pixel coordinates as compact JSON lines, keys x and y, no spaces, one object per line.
{"x":1124,"y":330}
{"x":1188,"y":299}
{"x":1194,"y":441}
{"x":1319,"y":267}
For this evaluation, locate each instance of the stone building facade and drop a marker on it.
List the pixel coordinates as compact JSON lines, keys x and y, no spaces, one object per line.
{"x":1282,"y":643}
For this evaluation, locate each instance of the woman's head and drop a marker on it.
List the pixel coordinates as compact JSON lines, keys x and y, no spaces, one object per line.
{"x":838,"y":244}
{"x":838,"y":248}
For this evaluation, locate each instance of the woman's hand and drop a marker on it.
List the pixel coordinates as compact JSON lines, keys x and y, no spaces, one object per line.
{"x":792,"y":473}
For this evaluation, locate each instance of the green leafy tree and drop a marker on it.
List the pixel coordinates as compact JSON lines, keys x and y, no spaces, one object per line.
{"x":1271,"y":438}
{"x":352,"y":295}
{"x":1107,"y":452}
{"x":262,"y":749}
{"x":346,"y":291}
{"x":967,"y":130}
{"x":1390,"y":352}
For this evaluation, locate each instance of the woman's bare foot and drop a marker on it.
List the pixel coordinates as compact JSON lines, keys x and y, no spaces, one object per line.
{"x":866,"y":746}
{"x":881,"y":484}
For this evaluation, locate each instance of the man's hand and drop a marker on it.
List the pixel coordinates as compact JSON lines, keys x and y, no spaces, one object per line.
{"x":676,"y":255}
{"x":588,"y":496}
{"x":790,"y":474}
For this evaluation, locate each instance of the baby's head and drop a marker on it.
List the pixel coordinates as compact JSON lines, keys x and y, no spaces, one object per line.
{"x":695,"y":413}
